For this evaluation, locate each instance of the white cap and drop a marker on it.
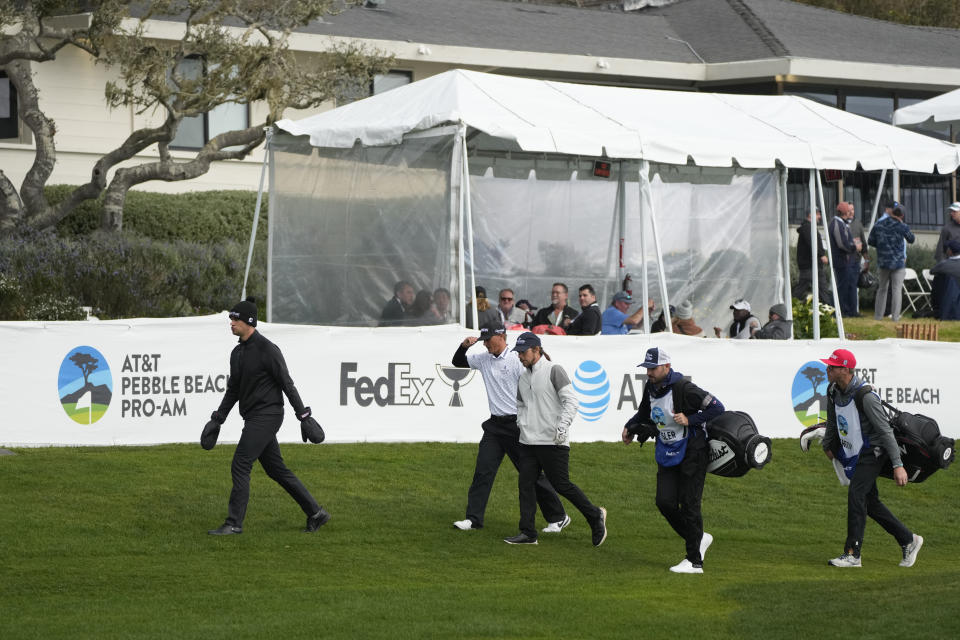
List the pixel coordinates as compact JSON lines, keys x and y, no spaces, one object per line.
{"x":954,"y":207}
{"x":741,"y":304}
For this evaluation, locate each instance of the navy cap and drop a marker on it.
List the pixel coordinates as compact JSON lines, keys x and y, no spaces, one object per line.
{"x":526,"y":340}
{"x":491,"y":329}
{"x":654,"y":358}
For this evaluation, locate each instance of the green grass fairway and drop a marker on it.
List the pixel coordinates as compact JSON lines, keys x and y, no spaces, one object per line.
{"x":111,"y":543}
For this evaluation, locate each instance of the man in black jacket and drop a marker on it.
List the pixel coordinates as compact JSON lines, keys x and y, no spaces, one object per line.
{"x":589,"y":321}
{"x":258,"y":380}
{"x":805,"y":277}
{"x":674,"y":411}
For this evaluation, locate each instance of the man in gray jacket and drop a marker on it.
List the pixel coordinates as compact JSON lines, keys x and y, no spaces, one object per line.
{"x":859,"y":435}
{"x":546,"y":406}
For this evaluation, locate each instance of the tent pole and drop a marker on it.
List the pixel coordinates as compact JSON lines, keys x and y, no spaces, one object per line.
{"x":896,"y":185}
{"x":662,"y":277}
{"x":256,"y":211}
{"x":465,"y":195}
{"x":456,"y":171}
{"x":876,"y":202}
{"x":646,"y":202}
{"x":814,"y":259}
{"x":272,"y":207}
{"x":833,"y":274}
{"x":785,"y":242}
{"x":621,"y":227}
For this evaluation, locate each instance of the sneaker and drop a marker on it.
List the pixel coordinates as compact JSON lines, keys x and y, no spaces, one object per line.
{"x":225,"y":530}
{"x":557,"y":527}
{"x":600,"y":529}
{"x":465,"y":525}
{"x":910,"y":551}
{"x":705,"y":543}
{"x":521,"y":538}
{"x":846,"y":560}
{"x":317,"y":520}
{"x":686,"y":566}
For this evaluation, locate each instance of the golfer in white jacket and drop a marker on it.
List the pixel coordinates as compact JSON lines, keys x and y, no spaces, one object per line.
{"x":546,"y":405}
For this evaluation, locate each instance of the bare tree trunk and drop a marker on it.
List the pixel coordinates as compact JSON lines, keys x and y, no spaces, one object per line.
{"x":11,"y":207}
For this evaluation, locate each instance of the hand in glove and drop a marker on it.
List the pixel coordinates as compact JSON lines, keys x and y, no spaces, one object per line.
{"x":816,"y":431}
{"x":211,"y":431}
{"x":561,"y":436}
{"x":310,"y":429}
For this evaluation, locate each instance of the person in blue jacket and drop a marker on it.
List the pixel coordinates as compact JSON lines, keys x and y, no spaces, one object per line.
{"x":674,"y":411}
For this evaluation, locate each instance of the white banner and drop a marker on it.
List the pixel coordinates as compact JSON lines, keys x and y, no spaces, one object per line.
{"x":151,"y":381}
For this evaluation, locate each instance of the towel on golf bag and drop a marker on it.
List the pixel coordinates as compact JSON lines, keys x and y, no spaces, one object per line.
{"x":735,"y":445}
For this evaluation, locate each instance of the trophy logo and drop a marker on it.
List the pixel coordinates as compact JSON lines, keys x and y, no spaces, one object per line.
{"x":456,"y":377}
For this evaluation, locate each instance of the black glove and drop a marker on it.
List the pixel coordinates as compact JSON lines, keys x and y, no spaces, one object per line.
{"x":310,"y":429}
{"x":643,"y":431}
{"x":211,"y":431}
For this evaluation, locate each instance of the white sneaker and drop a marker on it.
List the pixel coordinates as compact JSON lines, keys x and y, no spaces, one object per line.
{"x":686,"y":567}
{"x":557,"y":527}
{"x":910,"y":551}
{"x":846,"y":561}
{"x":464,"y":525}
{"x":705,"y":543}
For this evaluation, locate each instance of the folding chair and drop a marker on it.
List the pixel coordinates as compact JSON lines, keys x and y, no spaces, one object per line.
{"x":928,"y":278}
{"x":914,"y":291}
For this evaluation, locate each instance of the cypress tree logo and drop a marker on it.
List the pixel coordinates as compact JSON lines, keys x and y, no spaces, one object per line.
{"x":85,"y":385}
{"x":809,"y":393}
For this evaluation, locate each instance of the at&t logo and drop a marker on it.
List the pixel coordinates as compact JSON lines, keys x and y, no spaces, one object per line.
{"x":84,"y":385}
{"x":593,"y":386}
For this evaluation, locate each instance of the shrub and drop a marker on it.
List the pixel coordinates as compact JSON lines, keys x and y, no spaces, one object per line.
{"x":803,"y":319}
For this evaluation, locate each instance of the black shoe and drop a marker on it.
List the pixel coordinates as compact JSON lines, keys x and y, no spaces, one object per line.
{"x":317,"y":520}
{"x":225,"y":530}
{"x":521,"y":538}
{"x":600,"y":528}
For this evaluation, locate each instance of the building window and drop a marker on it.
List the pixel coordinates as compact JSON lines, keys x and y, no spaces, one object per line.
{"x":875,"y":107}
{"x":9,"y":126}
{"x":196,"y":131}
{"x":391,"y":80}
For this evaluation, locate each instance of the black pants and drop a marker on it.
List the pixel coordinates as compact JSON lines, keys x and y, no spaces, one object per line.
{"x":680,"y":492}
{"x":805,"y":285}
{"x":258,"y":441}
{"x":863,"y":500}
{"x":502,"y":436}
{"x":554,"y":462}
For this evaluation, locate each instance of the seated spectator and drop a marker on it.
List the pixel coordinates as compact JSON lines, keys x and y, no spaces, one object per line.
{"x":558,"y":311}
{"x":683,"y":322}
{"x":744,"y":323}
{"x":616,"y":320}
{"x":441,"y":305}
{"x":529,"y":311}
{"x":946,"y":282}
{"x":509,"y":313}
{"x":395,"y":311}
{"x":778,"y":328}
{"x":660,"y":324}
{"x":485,"y":313}
{"x":422,"y":310}
{"x":588,"y":322}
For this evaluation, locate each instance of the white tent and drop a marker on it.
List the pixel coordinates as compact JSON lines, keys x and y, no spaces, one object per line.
{"x":941,"y":110}
{"x":482,"y":125}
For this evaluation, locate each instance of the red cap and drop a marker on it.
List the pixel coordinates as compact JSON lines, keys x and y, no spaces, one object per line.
{"x":841,"y":358}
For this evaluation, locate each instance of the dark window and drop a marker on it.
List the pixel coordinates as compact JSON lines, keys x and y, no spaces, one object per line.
{"x":390,"y":80}
{"x":196,"y":131}
{"x":9,"y":127}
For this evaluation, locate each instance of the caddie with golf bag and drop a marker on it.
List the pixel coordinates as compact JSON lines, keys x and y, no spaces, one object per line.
{"x":858,"y":435}
{"x":258,"y":380}
{"x":674,"y":412}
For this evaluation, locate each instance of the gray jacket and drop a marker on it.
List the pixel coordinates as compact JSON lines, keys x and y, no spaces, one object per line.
{"x":876,"y":427}
{"x":546,"y":404}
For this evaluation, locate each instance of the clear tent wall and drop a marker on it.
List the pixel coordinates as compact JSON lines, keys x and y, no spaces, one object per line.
{"x":453,"y":211}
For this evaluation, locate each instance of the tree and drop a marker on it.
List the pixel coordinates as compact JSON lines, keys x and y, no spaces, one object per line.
{"x":246,"y":62}
{"x":87,"y":363}
{"x":931,"y":13}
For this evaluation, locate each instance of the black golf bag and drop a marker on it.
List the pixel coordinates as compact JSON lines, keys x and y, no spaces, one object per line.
{"x":923,"y":450}
{"x":735,"y":445}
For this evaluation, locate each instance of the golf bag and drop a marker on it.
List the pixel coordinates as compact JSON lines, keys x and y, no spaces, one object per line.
{"x":923,"y":450}
{"x":735,"y":445}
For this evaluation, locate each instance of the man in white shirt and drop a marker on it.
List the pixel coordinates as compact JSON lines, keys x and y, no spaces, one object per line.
{"x":546,"y":406}
{"x":500,"y":369}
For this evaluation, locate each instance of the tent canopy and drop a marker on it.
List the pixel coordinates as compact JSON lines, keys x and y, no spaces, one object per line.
{"x":944,"y":109}
{"x":718,"y":130}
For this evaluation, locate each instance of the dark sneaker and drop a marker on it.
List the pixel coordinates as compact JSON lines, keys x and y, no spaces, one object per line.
{"x":317,"y":520}
{"x":225,"y":530}
{"x":521,"y":538}
{"x":600,"y":528}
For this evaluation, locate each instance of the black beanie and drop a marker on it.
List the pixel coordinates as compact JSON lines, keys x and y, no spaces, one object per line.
{"x":246,"y":311}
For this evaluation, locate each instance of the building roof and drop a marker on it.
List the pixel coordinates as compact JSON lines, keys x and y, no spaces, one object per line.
{"x":716,"y":30}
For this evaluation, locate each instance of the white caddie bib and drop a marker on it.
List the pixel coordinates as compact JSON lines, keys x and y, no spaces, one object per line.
{"x":661,"y":413}
{"x":848,"y":426}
